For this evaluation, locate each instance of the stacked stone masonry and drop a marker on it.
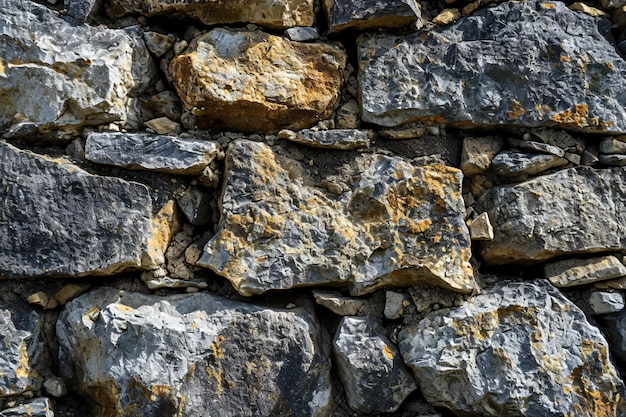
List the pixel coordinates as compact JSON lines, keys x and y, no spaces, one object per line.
{"x":312,"y":208}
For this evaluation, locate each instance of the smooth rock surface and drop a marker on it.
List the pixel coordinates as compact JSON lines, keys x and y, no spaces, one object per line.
{"x":370,"y":366}
{"x":151,"y":152}
{"x":56,"y":219}
{"x":529,"y":222}
{"x":278,"y":231}
{"x":521,"y":349}
{"x":604,"y":302}
{"x":193,"y":355}
{"x":256,"y":82}
{"x":613,"y":160}
{"x":612,"y":146}
{"x":367,"y":14}
{"x":274,"y":14}
{"x":528,"y":63}
{"x":512,"y":163}
{"x":39,"y":407}
{"x":57,"y":75}
{"x":21,"y":333}
{"x":480,"y":228}
{"x":341,"y":139}
{"x":577,"y":271}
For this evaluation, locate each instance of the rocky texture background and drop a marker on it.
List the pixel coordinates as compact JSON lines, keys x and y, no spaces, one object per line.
{"x":312,"y":208}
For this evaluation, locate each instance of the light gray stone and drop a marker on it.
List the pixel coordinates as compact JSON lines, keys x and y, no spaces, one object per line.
{"x":580,"y":271}
{"x":395,"y":304}
{"x":478,"y":153}
{"x":536,"y":146}
{"x":278,"y":231}
{"x":342,"y":139}
{"x":527,"y":63}
{"x":560,"y":138}
{"x":604,"y":302}
{"x":367,"y":14}
{"x":193,"y":355}
{"x":612,"y":146}
{"x":575,"y":210}
{"x":58,"y":75}
{"x":340,"y":305}
{"x":370,"y":366}
{"x":158,"y":43}
{"x":151,"y":152}
{"x":302,"y":34}
{"x":590,"y":157}
{"x":512,"y":163}
{"x":38,"y":407}
{"x":521,"y":349}
{"x":55,"y":386}
{"x":57,"y":219}
{"x":613,"y":160}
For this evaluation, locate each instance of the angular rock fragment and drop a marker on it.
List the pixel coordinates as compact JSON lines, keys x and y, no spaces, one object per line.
{"x":370,"y":367}
{"x":256,"y":82}
{"x":302,"y":34}
{"x":613,"y":160}
{"x":39,"y":407}
{"x":195,"y":205}
{"x":536,"y":146}
{"x":151,"y":152}
{"x":614,"y":326}
{"x":480,"y":228}
{"x":576,"y":271}
{"x":83,"y":10}
{"x":530,"y":63}
{"x":576,"y":210}
{"x":193,"y":355}
{"x":367,"y":14}
{"x":398,"y":224}
{"x":56,"y":219}
{"x":57,"y":75}
{"x":330,"y":139}
{"x":21,"y":333}
{"x":478,"y":153}
{"x":512,"y":163}
{"x":273,"y":14}
{"x":604,"y":302}
{"x":522,"y":349}
{"x":560,"y":138}
{"x":612,"y":146}
{"x":340,"y":305}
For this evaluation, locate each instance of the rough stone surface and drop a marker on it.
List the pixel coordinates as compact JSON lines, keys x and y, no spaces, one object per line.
{"x":330,"y":139}
{"x":83,"y":10}
{"x":195,"y":205}
{"x":366,"y":14}
{"x":278,"y":232}
{"x":302,"y":34}
{"x":274,"y":14}
{"x":521,"y":349}
{"x":613,"y":160}
{"x":560,"y":138}
{"x":478,"y":153}
{"x":193,"y":355}
{"x":604,"y":302}
{"x":480,"y":228}
{"x":256,"y":82}
{"x":21,"y":333}
{"x":536,"y":146}
{"x":612,"y":146}
{"x":41,"y":233}
{"x":56,"y":75}
{"x":528,"y":63}
{"x":151,"y":152}
{"x":370,"y":366}
{"x":511,"y":163}
{"x":529,"y":222}
{"x":340,"y":305}
{"x":576,"y":271}
{"x":39,"y":407}
{"x":614,"y":326}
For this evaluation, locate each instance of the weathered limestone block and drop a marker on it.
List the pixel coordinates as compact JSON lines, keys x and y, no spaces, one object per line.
{"x":151,"y":152}
{"x":57,"y":75}
{"x":605,"y":302}
{"x":478,"y":153}
{"x":256,"y":82}
{"x":398,"y":224}
{"x":366,"y":14}
{"x":576,"y":210}
{"x":511,"y":163}
{"x":522,"y":349}
{"x":342,"y":139}
{"x":531,"y":63}
{"x":580,"y":271}
{"x":193,"y":355}
{"x":370,"y":366}
{"x":273,"y":14}
{"x":56,"y":219}
{"x":39,"y":407}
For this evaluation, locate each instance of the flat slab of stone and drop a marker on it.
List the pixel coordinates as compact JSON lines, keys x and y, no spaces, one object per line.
{"x":367,"y":14}
{"x":257,"y":82}
{"x":520,"y":349}
{"x":512,"y":163}
{"x":529,"y":222}
{"x":151,"y":152}
{"x":56,"y":219}
{"x":398,"y":224}
{"x":38,"y":407}
{"x":59,"y":75}
{"x":273,"y":14}
{"x":341,"y":139}
{"x":577,"y":271}
{"x":193,"y":355}
{"x":530,"y":63}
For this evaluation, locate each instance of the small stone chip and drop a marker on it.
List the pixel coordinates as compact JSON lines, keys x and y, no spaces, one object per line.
{"x":480,"y":228}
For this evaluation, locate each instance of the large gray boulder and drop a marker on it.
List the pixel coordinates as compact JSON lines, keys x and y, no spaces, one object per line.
{"x":529,"y":63}
{"x":21,"y":333}
{"x":576,"y":210}
{"x":395,"y":224}
{"x":193,"y":355}
{"x":56,"y":219}
{"x":521,"y":349}
{"x":59,"y":75}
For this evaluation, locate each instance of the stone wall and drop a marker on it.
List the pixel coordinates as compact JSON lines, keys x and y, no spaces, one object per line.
{"x":323,"y":208}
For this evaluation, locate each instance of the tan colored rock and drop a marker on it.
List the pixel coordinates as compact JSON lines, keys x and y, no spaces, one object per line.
{"x":480,"y":228}
{"x":478,"y":154}
{"x":163,"y":126}
{"x":446,"y":17}
{"x":591,"y":11}
{"x":256,"y":82}
{"x":614,"y":284}
{"x":274,"y":14}
{"x":39,"y":298}
{"x":572,"y":272}
{"x":68,"y":292}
